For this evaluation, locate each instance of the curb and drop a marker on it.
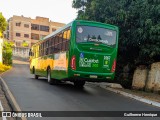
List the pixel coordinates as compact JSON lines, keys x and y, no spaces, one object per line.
{"x":2,"y":109}
{"x":10,"y":97}
{"x":141,"y":99}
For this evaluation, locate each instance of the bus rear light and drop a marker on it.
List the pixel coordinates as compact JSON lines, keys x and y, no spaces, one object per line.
{"x":73,"y":62}
{"x":114,"y":66}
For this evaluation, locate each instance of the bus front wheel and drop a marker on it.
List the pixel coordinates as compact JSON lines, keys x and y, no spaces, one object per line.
{"x":79,"y":84}
{"x":35,"y":76}
{"x":49,"y":79}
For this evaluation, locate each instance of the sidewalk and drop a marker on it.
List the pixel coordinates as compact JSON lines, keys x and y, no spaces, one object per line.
{"x":146,"y":97}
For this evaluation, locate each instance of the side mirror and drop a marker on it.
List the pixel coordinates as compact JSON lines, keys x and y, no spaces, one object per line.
{"x":31,"y":53}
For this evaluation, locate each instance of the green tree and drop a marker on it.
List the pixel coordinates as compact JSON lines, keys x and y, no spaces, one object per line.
{"x":3,"y":24}
{"x":139,"y":23}
{"x":25,"y":44}
{"x":7,"y":53}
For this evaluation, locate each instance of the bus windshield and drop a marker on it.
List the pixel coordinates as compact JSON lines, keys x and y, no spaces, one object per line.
{"x":87,"y":34}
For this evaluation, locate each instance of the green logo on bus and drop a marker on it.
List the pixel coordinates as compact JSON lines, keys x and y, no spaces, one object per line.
{"x":106,"y":61}
{"x":86,"y":62}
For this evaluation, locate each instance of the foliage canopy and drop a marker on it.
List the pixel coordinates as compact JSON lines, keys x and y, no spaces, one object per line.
{"x":7,"y":53}
{"x":3,"y":24}
{"x":139,"y":24}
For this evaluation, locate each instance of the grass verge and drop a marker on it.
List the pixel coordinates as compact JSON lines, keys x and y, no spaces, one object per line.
{"x":4,"y":68}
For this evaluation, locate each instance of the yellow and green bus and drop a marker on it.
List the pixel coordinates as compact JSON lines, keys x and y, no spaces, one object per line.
{"x":78,"y":52}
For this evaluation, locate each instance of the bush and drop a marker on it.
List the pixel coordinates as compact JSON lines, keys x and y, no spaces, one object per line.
{"x":3,"y":67}
{"x":7,"y":53}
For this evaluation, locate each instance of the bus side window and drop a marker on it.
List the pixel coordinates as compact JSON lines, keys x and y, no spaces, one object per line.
{"x":68,"y":39}
{"x":67,"y":45}
{"x":68,"y":34}
{"x":56,"y":39}
{"x":47,"y":47}
{"x":59,"y":47}
{"x":42,"y":49}
{"x":38,"y":51}
{"x":53,"y":41}
{"x":31,"y":53}
{"x":55,"y":49}
{"x":60,"y":41}
{"x":34,"y":52}
{"x":50,"y":42}
{"x":60,"y":38}
{"x":63,"y":45}
{"x":52,"y":50}
{"x":64,"y":40}
{"x":46,"y":51}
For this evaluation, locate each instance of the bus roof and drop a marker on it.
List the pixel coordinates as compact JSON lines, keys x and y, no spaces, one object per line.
{"x":70,"y":24}
{"x":58,"y":30}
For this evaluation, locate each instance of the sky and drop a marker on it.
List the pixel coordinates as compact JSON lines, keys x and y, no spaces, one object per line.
{"x":55,"y":10}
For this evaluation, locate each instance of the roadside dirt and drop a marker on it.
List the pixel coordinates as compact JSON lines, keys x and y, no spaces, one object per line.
{"x":4,"y":102}
{"x":147,"y":95}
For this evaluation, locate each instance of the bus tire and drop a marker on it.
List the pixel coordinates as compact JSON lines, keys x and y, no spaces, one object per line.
{"x":49,"y":79}
{"x":79,"y":84}
{"x":35,"y":76}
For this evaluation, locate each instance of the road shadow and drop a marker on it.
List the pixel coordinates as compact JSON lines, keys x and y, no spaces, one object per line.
{"x":65,"y":86}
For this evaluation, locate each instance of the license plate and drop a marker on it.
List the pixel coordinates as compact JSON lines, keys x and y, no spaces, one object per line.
{"x":93,"y":76}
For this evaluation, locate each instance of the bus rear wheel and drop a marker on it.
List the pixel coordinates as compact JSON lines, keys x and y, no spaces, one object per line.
{"x":49,"y":79}
{"x":79,"y":84}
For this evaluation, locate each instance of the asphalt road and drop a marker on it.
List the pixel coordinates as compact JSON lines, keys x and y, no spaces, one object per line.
{"x":38,"y":95}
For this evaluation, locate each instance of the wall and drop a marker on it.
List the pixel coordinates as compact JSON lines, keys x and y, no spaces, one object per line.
{"x":153,"y":83}
{"x":21,"y":52}
{"x":139,"y":78}
{"x":147,"y":79}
